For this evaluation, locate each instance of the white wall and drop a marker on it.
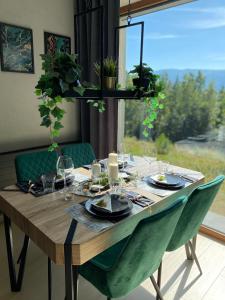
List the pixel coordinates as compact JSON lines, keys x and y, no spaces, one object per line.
{"x":19,"y":116}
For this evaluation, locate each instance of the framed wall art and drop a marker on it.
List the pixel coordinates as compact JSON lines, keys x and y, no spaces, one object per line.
{"x":56,"y":43}
{"x":16,"y":49}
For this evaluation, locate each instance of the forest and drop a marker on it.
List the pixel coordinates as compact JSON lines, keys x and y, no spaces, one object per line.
{"x":191,"y":108}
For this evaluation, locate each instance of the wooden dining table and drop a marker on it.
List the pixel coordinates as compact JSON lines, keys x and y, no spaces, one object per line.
{"x":66,"y":242}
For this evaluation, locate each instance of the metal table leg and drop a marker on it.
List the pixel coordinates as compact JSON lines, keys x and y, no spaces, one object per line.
{"x":71,"y":272}
{"x":16,"y":282}
{"x":49,"y":279}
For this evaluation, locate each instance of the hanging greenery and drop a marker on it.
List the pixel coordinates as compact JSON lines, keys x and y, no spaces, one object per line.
{"x":62,"y":74}
{"x":151,"y":88}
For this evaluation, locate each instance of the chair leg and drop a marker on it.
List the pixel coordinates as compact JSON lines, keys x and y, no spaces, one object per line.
{"x":188,"y":254}
{"x":159,"y":279}
{"x":159,"y":294}
{"x":195,"y":256}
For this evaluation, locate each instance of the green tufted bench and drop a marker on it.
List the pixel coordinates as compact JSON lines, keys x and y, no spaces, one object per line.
{"x":81,"y":153}
{"x":30,"y":166}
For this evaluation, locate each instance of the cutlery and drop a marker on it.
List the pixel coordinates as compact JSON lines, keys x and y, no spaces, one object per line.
{"x":184,"y":176}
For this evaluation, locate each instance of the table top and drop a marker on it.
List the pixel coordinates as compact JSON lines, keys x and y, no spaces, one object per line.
{"x":45,"y":221}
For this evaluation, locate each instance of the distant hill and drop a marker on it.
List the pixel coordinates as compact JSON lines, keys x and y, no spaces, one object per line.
{"x":217,"y":76}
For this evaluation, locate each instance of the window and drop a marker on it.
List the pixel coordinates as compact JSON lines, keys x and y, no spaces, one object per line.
{"x":185,"y":46}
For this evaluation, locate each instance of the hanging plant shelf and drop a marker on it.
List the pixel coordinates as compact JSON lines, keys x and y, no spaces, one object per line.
{"x":101,"y":94}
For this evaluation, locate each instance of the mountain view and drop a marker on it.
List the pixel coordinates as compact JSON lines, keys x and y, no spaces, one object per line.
{"x":215,"y":76}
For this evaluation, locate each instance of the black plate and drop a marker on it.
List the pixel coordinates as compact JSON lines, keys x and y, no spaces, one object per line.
{"x":179,"y":186}
{"x":172,"y":180}
{"x":107,"y":215}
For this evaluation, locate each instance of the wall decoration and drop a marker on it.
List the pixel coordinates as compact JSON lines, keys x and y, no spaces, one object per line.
{"x":56,"y":43}
{"x":16,"y":49}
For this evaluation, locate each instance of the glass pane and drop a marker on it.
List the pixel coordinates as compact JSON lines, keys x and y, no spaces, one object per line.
{"x":185,"y":46}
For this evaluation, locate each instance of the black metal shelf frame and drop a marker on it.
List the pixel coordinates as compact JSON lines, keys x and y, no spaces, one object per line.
{"x":101,"y":93}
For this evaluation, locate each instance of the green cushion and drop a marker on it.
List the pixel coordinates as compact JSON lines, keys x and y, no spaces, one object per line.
{"x":30,"y":166}
{"x":82,"y":154}
{"x":123,"y":267}
{"x":194,"y":213}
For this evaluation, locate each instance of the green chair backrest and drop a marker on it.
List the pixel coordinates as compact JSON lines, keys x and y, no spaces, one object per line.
{"x":30,"y":166}
{"x":143,"y":252}
{"x":194,"y":212}
{"x":82,"y":154}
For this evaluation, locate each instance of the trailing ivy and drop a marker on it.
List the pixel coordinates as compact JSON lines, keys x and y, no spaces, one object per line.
{"x":62,"y":74}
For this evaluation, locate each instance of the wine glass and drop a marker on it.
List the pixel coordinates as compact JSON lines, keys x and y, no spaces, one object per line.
{"x":64,"y":168}
{"x":150,"y":154}
{"x":122,"y":154}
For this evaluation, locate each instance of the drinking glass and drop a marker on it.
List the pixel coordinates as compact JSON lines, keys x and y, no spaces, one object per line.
{"x":150,"y":155}
{"x":64,"y":168}
{"x":122,"y":154}
{"x":48,"y":183}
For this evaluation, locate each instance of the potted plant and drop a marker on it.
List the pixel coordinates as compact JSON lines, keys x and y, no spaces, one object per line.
{"x":109,"y":73}
{"x":145,"y":76}
{"x":62,"y":74}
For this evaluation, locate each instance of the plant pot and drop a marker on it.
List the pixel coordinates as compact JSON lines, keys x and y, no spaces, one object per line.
{"x":109,"y":83}
{"x":144,"y":83}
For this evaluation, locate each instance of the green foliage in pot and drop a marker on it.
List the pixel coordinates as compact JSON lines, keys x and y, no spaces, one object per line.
{"x":62,"y":74}
{"x":153,"y":96}
{"x":109,"y":70}
{"x":146,"y":70}
{"x":109,"y":67}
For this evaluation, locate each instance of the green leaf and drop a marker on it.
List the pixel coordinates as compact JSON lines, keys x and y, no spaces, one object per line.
{"x":53,"y":147}
{"x":162,"y":95}
{"x":58,"y":99}
{"x":55,"y":133}
{"x":48,"y":92}
{"x":46,"y":121}
{"x":38,"y":92}
{"x":50,"y":103}
{"x":79,"y":89}
{"x":161,"y":106}
{"x":44,"y":110}
{"x":57,"y":125}
{"x":145,"y":133}
{"x":58,"y":112}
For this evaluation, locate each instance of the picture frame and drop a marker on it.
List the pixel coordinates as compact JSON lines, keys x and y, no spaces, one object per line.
{"x":56,"y":43}
{"x":16,"y":48}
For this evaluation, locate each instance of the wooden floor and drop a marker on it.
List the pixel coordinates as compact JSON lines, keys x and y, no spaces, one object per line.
{"x":181,"y":278}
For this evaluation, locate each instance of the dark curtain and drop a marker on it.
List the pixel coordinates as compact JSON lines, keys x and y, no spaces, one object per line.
{"x":99,"y":129}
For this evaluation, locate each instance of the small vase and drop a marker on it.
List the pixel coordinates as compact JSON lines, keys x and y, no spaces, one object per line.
{"x":109,"y":83}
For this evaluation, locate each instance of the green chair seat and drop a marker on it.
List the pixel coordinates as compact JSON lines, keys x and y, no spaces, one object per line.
{"x":82,"y":154}
{"x":30,"y":166}
{"x":124,"y":266}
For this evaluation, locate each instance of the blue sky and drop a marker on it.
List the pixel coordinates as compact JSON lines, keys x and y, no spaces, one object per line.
{"x":188,"y":36}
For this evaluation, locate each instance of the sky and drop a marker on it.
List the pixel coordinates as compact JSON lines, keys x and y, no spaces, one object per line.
{"x":189,"y":36}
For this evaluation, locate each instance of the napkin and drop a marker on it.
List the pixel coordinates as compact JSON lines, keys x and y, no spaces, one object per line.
{"x":107,"y":202}
{"x":78,"y":177}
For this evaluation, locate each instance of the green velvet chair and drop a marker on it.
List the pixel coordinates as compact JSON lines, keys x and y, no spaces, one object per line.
{"x":30,"y":166}
{"x":192,"y":217}
{"x":124,"y":266}
{"x":82,"y":154}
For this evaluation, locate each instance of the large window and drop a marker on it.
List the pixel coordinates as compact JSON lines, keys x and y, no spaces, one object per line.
{"x":185,"y":45}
